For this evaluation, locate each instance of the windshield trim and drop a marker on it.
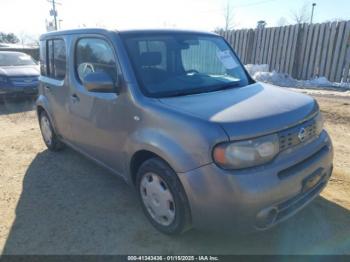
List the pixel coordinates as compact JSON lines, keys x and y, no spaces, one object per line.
{"x":194,"y":91}
{"x":144,"y":90}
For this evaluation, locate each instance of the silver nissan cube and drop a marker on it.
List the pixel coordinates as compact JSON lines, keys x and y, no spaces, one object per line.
{"x":177,"y":116}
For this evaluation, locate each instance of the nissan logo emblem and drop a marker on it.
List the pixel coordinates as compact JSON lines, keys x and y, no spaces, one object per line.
{"x":302,"y":134}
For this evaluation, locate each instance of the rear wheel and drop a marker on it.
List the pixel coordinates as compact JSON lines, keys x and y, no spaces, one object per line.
{"x":163,"y":199}
{"x":50,"y":138}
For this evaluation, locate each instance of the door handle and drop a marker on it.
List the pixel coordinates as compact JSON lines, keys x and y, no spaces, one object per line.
{"x":75,"y":98}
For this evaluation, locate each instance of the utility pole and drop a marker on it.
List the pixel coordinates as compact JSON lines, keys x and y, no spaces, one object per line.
{"x":312,"y":12}
{"x":53,"y":11}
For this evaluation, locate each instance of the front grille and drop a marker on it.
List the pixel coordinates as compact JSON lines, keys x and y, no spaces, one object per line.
{"x":290,"y":137}
{"x":304,"y":163}
{"x":24,"y":81}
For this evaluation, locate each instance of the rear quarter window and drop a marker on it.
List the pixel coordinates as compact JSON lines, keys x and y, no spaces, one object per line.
{"x":43,"y":58}
{"x":53,"y":58}
{"x":60,"y":58}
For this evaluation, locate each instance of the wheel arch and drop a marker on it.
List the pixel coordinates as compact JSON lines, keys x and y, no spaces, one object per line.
{"x":138,"y":159}
{"x":42,"y":105}
{"x":150,"y":142}
{"x":136,"y":162}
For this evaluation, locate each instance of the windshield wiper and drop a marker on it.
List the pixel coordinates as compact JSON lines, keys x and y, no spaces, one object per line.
{"x":206,"y":90}
{"x":181,"y":93}
{"x":227,"y":86}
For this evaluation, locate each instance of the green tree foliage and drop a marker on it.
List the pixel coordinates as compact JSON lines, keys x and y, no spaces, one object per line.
{"x":9,"y":38}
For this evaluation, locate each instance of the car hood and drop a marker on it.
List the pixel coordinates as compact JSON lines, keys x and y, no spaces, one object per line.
{"x":20,"y":70}
{"x":248,"y":111}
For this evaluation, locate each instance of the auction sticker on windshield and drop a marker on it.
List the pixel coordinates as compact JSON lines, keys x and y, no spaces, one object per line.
{"x":226,"y":59}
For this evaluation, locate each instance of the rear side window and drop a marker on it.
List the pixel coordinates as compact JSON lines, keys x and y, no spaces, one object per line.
{"x":95,"y":55}
{"x":56,"y":59}
{"x":43,"y":58}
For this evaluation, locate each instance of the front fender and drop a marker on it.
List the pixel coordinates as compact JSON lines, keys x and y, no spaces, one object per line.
{"x":161,"y":144}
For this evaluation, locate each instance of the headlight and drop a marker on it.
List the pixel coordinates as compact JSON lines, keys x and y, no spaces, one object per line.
{"x":246,"y":153}
{"x":3,"y":79}
{"x":319,"y":123}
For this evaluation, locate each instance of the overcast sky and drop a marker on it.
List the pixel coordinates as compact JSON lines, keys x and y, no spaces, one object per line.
{"x":28,"y":16}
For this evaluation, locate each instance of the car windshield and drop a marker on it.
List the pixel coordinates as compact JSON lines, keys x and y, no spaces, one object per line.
{"x":175,"y":64}
{"x":15,"y":59}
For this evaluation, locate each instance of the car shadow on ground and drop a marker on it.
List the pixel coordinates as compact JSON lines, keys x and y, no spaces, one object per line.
{"x":69,"y":205}
{"x":16,"y":106}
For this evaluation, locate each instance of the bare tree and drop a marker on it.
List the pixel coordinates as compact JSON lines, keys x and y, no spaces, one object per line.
{"x":100,"y":24}
{"x":228,"y":15}
{"x":301,"y":15}
{"x":28,"y":39}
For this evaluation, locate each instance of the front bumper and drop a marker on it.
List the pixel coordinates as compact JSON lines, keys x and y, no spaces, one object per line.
{"x":261,"y":197}
{"x":18,"y":92}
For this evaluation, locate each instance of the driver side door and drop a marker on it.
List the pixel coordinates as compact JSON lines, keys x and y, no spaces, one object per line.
{"x":97,"y":116}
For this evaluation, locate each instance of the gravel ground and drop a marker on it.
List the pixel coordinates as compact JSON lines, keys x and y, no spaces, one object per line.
{"x":61,"y":203}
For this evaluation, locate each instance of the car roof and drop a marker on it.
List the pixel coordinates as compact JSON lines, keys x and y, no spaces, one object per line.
{"x":122,"y":32}
{"x":163,"y":31}
{"x":73,"y":31}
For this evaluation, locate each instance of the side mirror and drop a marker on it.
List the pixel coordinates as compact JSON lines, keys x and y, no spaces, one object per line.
{"x":99,"y":82}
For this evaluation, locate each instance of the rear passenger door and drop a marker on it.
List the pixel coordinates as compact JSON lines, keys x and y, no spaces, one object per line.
{"x":54,"y":83}
{"x":97,"y":125}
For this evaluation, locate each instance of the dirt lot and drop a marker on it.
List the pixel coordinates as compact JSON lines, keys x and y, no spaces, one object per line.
{"x":60,"y":203}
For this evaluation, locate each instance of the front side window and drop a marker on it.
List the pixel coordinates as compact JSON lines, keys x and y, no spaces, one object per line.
{"x":175,"y":64}
{"x":56,"y":52}
{"x":95,"y":55}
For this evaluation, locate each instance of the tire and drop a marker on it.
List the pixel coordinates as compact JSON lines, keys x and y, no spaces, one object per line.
{"x":177,"y":209}
{"x":49,"y":136}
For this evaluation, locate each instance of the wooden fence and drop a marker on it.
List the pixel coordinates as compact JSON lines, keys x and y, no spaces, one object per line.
{"x":304,"y":51}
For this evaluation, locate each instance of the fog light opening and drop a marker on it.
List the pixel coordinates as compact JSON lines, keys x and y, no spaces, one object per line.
{"x":266,"y":217}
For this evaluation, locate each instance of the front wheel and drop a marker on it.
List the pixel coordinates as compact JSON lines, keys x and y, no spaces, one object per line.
{"x":163,"y":199}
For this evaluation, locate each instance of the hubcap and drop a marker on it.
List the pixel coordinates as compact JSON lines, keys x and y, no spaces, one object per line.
{"x":46,"y":130}
{"x":157,"y":199}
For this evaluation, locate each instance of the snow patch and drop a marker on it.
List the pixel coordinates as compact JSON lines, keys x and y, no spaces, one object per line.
{"x":261,"y":73}
{"x":253,"y":69}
